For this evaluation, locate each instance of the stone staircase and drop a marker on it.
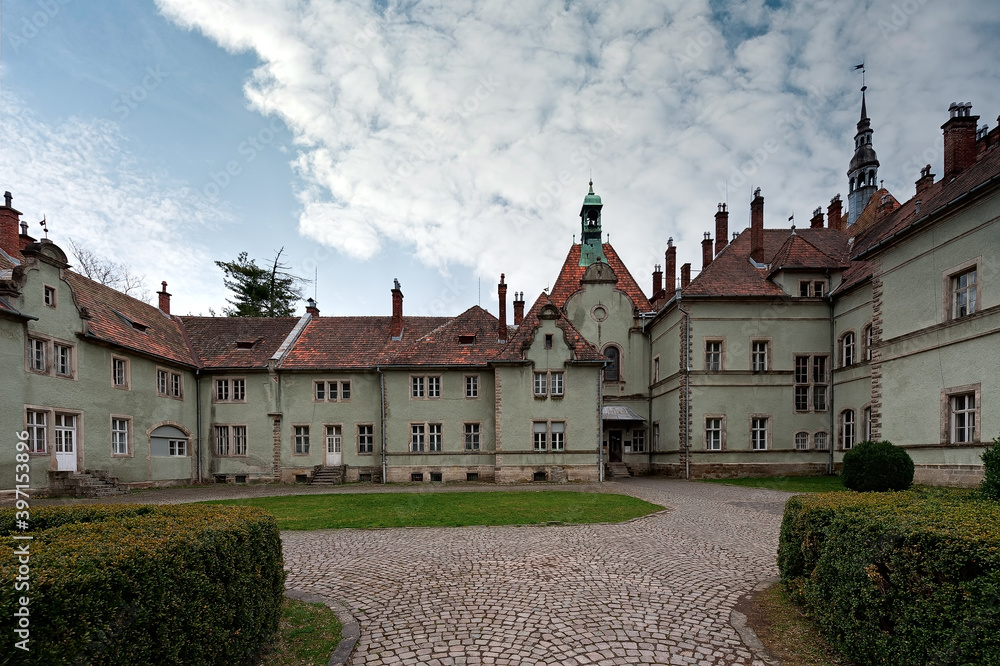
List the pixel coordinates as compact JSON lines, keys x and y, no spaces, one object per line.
{"x":323,"y":475}
{"x":91,"y":483}
{"x":617,"y":470}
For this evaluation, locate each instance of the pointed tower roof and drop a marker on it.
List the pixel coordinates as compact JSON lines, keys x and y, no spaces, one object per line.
{"x":591,"y":249}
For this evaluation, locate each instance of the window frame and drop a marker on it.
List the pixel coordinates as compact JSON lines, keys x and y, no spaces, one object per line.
{"x":949,"y":413}
{"x":847,"y":347}
{"x":37,"y":357}
{"x":170,"y":378}
{"x":608,"y":363}
{"x":766,"y":418}
{"x":705,"y":440}
{"x":54,"y":301}
{"x":301,"y":439}
{"x":656,"y":369}
{"x":867,"y":342}
{"x":721,"y":342}
{"x":33,"y":428}
{"x":425,"y":384}
{"x":236,"y":434}
{"x":767,"y":354}
{"x":805,"y":444}
{"x":810,"y":388}
{"x":126,"y":384}
{"x":950,"y":278}
{"x":472,"y":387}
{"x":848,"y":436}
{"x":341,"y":387}
{"x":638,"y":436}
{"x":129,"y":443}
{"x":472,"y":435}
{"x":359,"y":442}
{"x":826,"y":440}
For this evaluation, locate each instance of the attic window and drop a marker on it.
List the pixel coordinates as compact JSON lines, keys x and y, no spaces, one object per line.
{"x":131,"y":322}
{"x":245,"y":344}
{"x":466,"y":339}
{"x":548,"y":341}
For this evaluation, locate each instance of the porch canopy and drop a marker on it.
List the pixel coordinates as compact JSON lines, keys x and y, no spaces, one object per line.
{"x":620,"y":414}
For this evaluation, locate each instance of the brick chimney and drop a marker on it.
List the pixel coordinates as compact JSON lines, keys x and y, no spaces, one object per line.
{"x":502,"y":325}
{"x":518,"y":308}
{"x":721,"y":228}
{"x":926,"y":179}
{"x":164,"y":299}
{"x":685,"y":275}
{"x":959,"y":140}
{"x":10,"y":241}
{"x":817,"y":219}
{"x":706,"y":251}
{"x":311,"y":308}
{"x":396,"y":329}
{"x":657,"y":279}
{"x":670,"y":273}
{"x":833,"y":215}
{"x":757,"y":227}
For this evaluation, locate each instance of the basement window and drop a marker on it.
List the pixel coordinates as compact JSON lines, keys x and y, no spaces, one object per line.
{"x":417,"y":476}
{"x":472,"y":476}
{"x":364,"y":478}
{"x":538,"y":476}
{"x":436,"y":477}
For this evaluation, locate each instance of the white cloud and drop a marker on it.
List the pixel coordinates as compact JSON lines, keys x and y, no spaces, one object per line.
{"x":82,"y":176}
{"x":467,"y":131}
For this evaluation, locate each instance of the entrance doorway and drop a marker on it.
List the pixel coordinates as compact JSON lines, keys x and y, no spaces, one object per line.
{"x":614,"y":446}
{"x":334,"y":455}
{"x":65,"y":432}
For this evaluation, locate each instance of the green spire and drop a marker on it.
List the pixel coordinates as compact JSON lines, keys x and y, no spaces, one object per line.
{"x":592,"y":249}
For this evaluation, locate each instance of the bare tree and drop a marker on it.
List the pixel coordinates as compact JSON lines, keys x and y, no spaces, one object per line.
{"x":114,"y":274}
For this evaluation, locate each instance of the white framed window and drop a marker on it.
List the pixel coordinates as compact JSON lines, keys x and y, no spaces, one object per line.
{"x":425,"y":387}
{"x":810,"y":383}
{"x":801,"y":441}
{"x":417,"y":387}
{"x":120,"y":436}
{"x":418,"y":433}
{"x":334,"y":439}
{"x":819,"y":441}
{"x":472,"y":386}
{"x":867,"y":340}
{"x":713,"y":433}
{"x":36,"y":424}
{"x":847,"y":349}
{"x":539,"y":435}
{"x":49,"y":296}
{"x":656,"y":369}
{"x":964,"y":292}
{"x":161,"y":381}
{"x":472,"y":436}
{"x":866,"y":423}
{"x":541,"y":383}
{"x":713,"y":355}
{"x":557,"y":432}
{"x":230,"y":440}
{"x":434,"y":437}
{"x":300,"y":435}
{"x":366,"y":438}
{"x":812,"y":288}
{"x":63,"y":357}
{"x":551,"y":383}
{"x":36,"y":355}
{"x":963,"y":418}
{"x":176,"y":389}
{"x":638,"y":440}
{"x":232,"y":389}
{"x":177,"y":448}
{"x":65,"y":433}
{"x":119,"y":372}
{"x":332,"y":390}
{"x":759,"y":432}
{"x":433,"y":387}
{"x":555,"y":383}
{"x":760,"y":355}
{"x":848,"y":429}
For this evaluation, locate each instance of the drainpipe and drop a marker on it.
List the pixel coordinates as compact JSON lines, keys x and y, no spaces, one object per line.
{"x":687,"y":389}
{"x":381,"y":427}
{"x":600,"y":423}
{"x":833,"y":360}
{"x":646,"y":316}
{"x":197,"y":397}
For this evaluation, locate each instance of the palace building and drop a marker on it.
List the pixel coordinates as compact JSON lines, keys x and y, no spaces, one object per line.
{"x":788,"y":347}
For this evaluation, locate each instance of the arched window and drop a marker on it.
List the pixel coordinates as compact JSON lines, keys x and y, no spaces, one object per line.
{"x":612,"y":371}
{"x":819,"y":441}
{"x":801,"y":441}
{"x":847,"y":349}
{"x":852,"y":186}
{"x":866,"y":339}
{"x":848,"y":432}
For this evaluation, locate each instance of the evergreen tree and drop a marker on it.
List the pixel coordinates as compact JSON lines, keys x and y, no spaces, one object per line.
{"x":260,"y":292}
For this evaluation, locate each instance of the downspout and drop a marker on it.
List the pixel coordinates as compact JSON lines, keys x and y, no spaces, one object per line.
{"x":687,"y":389}
{"x":381,"y":426}
{"x":600,"y":423}
{"x":197,"y":392}
{"x":833,"y":411}
{"x":646,"y":316}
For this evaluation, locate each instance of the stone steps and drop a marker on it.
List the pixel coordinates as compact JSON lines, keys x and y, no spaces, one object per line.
{"x":618,"y":470}
{"x":323,"y":475}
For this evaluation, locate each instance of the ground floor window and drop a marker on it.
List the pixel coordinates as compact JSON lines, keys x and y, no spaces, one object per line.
{"x":548,"y":435}
{"x":801,"y":441}
{"x":471,"y":436}
{"x":848,"y":431}
{"x":639,"y":440}
{"x":366,"y":439}
{"x":301,"y":440}
{"x":713,"y":434}
{"x":119,"y":436}
{"x":36,"y":426}
{"x":758,"y":433}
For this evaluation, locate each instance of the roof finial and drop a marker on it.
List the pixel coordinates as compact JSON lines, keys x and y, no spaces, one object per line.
{"x":591,"y":185}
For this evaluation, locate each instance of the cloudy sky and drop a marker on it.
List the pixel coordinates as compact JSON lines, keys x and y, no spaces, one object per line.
{"x":443,"y":143}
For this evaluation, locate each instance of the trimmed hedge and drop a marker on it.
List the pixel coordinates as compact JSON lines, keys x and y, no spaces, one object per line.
{"x":877,"y":466}
{"x":990,"y":486}
{"x":910,"y":578}
{"x":134,"y":584}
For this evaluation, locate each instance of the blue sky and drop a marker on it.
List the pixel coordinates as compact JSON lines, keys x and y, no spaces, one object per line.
{"x":443,"y":144}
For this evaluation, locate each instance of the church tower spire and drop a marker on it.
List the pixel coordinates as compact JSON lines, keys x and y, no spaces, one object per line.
{"x":591,"y":247}
{"x":863,"y":172}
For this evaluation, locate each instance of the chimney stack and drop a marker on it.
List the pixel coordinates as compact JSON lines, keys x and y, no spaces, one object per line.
{"x":706,"y":251}
{"x":685,"y":275}
{"x":396,"y":329}
{"x":10,"y":241}
{"x":817,"y":219}
{"x":311,"y":308}
{"x":670,"y":274}
{"x":164,"y":299}
{"x":926,"y":179}
{"x":959,"y":140}
{"x":833,"y":214}
{"x":518,"y":308}
{"x":757,"y":227}
{"x":502,"y":326}
{"x":657,"y":280}
{"x":721,"y":228}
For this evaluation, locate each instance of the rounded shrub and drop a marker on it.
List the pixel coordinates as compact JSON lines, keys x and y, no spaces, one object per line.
{"x":990,"y":486}
{"x":877,"y":467}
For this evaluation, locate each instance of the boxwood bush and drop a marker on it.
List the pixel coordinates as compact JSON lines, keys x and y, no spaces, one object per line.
{"x":877,"y":466}
{"x":909,"y":578}
{"x":136,"y":584}
{"x":990,"y":486}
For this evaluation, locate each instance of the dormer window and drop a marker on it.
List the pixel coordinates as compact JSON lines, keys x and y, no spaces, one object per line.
{"x":245,"y":344}
{"x":50,"y":296}
{"x":466,"y":339}
{"x":131,"y":322}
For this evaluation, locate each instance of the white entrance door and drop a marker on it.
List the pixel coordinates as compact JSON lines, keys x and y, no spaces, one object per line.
{"x":333,"y":446}
{"x":65,"y":442}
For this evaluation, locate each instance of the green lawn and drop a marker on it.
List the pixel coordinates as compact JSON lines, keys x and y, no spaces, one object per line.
{"x":792,"y":484}
{"x":367,"y":510}
{"x":307,"y":634}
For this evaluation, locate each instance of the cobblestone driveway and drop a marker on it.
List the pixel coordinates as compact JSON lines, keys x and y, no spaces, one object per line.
{"x":657,"y":590}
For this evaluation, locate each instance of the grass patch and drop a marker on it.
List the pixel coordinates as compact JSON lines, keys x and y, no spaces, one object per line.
{"x":308,"y":634}
{"x":786,"y":631}
{"x":370,"y":510}
{"x":792,"y":484}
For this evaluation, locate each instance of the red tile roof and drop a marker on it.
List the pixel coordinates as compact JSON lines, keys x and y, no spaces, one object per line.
{"x":798,"y":253}
{"x":110,"y":316}
{"x":442,"y":346}
{"x":932,"y":200}
{"x":214,"y":339}
{"x":572,"y":272}
{"x":582,"y":350}
{"x":348,"y":343}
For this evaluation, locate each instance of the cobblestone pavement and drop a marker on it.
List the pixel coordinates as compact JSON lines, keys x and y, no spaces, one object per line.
{"x":657,"y":590}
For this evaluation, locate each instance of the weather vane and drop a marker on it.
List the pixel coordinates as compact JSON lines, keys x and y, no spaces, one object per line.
{"x":44,"y":226}
{"x":862,"y":68}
